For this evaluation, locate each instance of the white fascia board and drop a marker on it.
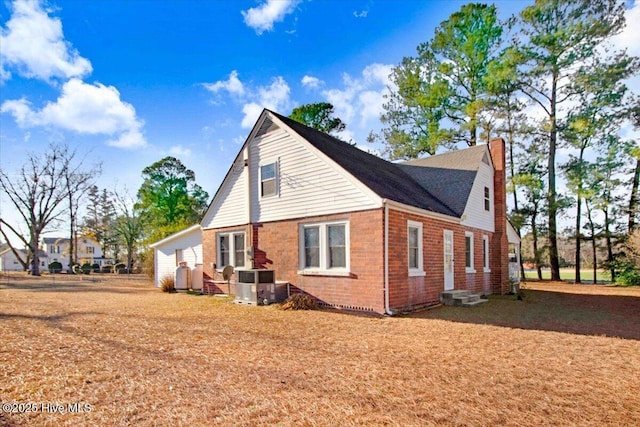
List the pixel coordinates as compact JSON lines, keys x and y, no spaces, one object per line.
{"x":423,"y":212}
{"x":174,"y":236}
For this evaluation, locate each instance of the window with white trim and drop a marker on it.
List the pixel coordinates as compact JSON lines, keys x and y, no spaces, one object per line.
{"x":468,"y":251}
{"x":231,"y":249}
{"x":324,"y":247}
{"x":487,"y":199}
{"x":485,"y":254}
{"x":269,"y":179}
{"x":415,"y":251}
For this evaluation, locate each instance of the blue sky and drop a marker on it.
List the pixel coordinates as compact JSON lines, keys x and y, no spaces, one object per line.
{"x":133,"y":81}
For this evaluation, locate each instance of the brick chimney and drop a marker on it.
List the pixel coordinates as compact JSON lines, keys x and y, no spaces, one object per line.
{"x":499,"y":252}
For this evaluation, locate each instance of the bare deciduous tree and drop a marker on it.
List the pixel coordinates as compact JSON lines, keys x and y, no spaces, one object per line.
{"x":76,"y":181}
{"x":36,"y":191}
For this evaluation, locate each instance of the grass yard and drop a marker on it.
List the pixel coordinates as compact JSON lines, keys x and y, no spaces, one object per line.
{"x":569,"y":274}
{"x":566,"y":355}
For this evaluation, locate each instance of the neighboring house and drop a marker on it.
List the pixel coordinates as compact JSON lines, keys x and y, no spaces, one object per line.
{"x":9,"y":262}
{"x":88,"y":250}
{"x":355,"y":231}
{"x":185,"y":245}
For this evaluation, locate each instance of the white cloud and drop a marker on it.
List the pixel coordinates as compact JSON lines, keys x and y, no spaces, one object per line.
{"x":262,"y":18}
{"x":361,"y":14}
{"x":180,"y":151}
{"x":311,"y":82}
{"x":361,"y":98}
{"x":33,"y":45}
{"x":233,"y":85}
{"x":629,"y":38}
{"x":274,"y":97}
{"x":86,"y":109}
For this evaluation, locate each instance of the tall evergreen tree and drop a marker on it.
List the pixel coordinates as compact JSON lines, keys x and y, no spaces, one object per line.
{"x":438,"y":96}
{"x":169,"y":199}
{"x":559,"y":40}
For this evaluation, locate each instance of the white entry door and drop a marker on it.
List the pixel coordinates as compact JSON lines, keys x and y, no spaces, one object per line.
{"x":448,"y":260}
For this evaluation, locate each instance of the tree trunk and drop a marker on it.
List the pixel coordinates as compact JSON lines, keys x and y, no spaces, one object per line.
{"x":607,"y":235}
{"x":594,"y":248}
{"x":578,"y":238}
{"x":552,"y":198}
{"x":35,"y":258}
{"x":633,"y":199}
{"x":534,"y":235}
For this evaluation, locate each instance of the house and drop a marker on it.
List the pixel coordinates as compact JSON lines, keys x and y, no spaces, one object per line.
{"x":88,"y":251}
{"x":183,"y":246}
{"x":9,"y":262}
{"x":355,"y":231}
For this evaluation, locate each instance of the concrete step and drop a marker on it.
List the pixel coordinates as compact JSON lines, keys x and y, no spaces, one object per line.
{"x":461,"y":298}
{"x":475,"y":303}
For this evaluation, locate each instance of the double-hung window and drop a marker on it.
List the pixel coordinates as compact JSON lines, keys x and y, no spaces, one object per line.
{"x":487,"y":199}
{"x":415,"y":252}
{"x":269,"y":179}
{"x":231,"y":249}
{"x":468,"y":244}
{"x":324,"y":247}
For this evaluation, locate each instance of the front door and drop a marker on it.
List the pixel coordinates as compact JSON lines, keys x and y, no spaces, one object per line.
{"x":448,"y":260}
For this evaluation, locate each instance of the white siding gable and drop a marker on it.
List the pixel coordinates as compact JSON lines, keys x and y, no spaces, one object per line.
{"x":309,"y":183}
{"x":229,"y":208}
{"x":475,"y":214}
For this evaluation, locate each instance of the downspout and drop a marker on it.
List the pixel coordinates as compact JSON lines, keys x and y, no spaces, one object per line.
{"x":387,"y":308}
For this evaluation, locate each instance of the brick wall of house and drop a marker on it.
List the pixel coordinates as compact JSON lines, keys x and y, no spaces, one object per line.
{"x":276,"y":247}
{"x":407,"y":293}
{"x":211,"y":271}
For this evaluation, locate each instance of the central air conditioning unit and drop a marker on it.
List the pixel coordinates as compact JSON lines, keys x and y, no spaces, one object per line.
{"x":256,"y":287}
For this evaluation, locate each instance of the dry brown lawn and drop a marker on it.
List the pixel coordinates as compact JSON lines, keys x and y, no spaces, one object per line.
{"x":566,"y":355}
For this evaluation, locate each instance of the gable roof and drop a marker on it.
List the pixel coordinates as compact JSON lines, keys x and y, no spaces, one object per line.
{"x":64,"y":240}
{"x":41,"y":253}
{"x":388,"y":180}
{"x":449,"y":176}
{"x":440,"y":183}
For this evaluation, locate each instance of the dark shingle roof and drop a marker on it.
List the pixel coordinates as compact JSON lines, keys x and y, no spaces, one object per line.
{"x":386,"y":179}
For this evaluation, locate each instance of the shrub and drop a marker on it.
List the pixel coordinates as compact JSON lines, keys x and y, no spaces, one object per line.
{"x":107,"y":268}
{"x":86,"y":268}
{"x":628,"y":265}
{"x":96,"y":268}
{"x":55,"y":267}
{"x":120,"y":268}
{"x":167,"y":283}
{"x":299,"y":302}
{"x":629,"y":275}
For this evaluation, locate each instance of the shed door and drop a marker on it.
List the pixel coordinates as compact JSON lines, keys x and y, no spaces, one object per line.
{"x":448,"y":260}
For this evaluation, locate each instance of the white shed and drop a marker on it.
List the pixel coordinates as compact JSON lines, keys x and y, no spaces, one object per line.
{"x":185,"y":245}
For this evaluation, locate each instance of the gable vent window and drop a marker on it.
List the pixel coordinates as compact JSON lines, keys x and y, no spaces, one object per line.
{"x":268,"y":179}
{"x":487,"y":199}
